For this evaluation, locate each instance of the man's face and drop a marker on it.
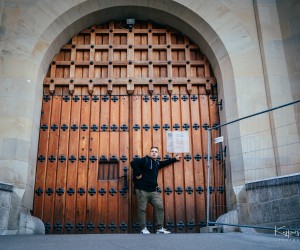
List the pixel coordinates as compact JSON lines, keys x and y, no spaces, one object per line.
{"x":154,"y":153}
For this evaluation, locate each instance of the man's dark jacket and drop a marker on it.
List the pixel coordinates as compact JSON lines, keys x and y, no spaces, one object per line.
{"x":148,"y":168}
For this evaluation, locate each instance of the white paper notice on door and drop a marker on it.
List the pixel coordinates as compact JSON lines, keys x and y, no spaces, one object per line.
{"x":178,"y":142}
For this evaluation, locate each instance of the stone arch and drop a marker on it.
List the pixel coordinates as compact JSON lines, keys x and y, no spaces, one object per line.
{"x":48,"y":27}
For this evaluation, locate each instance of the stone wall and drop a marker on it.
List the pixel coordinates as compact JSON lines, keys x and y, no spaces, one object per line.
{"x":275,"y":202}
{"x":5,"y":204}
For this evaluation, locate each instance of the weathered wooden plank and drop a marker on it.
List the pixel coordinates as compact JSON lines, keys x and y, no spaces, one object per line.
{"x":83,"y":159}
{"x":199,"y":165}
{"x":48,"y":213}
{"x":42,"y":161}
{"x":147,"y":131}
{"x":150,"y":49}
{"x":215,"y":164}
{"x":187,"y":57}
{"x":93,"y":157}
{"x":130,"y":56}
{"x":135,"y":140}
{"x":111,"y":50}
{"x":104,"y":152}
{"x":53,"y":67}
{"x":62,"y":163}
{"x":188,"y":164}
{"x":179,"y":168}
{"x":168,"y":173}
{"x":120,"y":59}
{"x":169,"y":55}
{"x":73,"y":57}
{"x":204,"y":117}
{"x":92,"y":54}
{"x":159,"y":78}
{"x":124,"y":200}
{"x":70,"y":211}
{"x":114,"y":149}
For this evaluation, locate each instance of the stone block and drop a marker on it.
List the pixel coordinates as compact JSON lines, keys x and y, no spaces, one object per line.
{"x":8,"y":232}
{"x":6,"y":171}
{"x":16,"y":208}
{"x":30,"y":225}
{"x":5,"y":205}
{"x":255,"y":214}
{"x":20,"y":173}
{"x":229,"y":218}
{"x":27,"y":199}
{"x":243,"y":213}
{"x":22,"y":127}
{"x":210,"y":229}
{"x":275,"y":193}
{"x":22,"y":150}
{"x":19,"y":106}
{"x":289,"y":208}
{"x":270,"y":211}
{"x":290,"y":190}
{"x":5,"y":199}
{"x":4,"y":213}
{"x":294,"y":224}
{"x":258,"y":195}
{"x":8,"y":149}
{"x":253,"y":197}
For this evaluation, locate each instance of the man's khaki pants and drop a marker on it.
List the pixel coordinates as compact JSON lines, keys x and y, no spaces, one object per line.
{"x":155,"y":200}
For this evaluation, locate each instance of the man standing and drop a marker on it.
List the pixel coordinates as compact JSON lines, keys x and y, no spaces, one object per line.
{"x":145,"y":171}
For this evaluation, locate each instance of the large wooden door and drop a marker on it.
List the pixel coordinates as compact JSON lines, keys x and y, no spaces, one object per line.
{"x":110,"y":94}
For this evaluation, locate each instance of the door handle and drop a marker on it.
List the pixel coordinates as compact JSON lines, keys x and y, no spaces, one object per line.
{"x":124,"y":189}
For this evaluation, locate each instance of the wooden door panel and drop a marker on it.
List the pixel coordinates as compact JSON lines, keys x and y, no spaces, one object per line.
{"x":152,"y":115}
{"x":110,"y":95}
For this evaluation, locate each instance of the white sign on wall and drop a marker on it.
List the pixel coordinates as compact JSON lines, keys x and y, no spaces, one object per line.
{"x":219,"y":139}
{"x":178,"y":142}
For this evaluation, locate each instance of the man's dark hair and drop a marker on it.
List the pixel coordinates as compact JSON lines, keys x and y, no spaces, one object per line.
{"x":154,"y":147}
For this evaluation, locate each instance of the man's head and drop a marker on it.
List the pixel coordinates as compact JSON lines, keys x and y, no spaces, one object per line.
{"x":154,"y":152}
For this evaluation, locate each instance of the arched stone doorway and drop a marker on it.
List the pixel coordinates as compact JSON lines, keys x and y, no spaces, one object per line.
{"x":109,"y":95}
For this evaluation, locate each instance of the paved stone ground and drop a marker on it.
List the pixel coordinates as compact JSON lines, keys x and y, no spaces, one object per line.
{"x":218,"y":241}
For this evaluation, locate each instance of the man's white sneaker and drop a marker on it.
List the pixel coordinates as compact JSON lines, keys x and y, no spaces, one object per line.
{"x":145,"y":231}
{"x":162,"y":231}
